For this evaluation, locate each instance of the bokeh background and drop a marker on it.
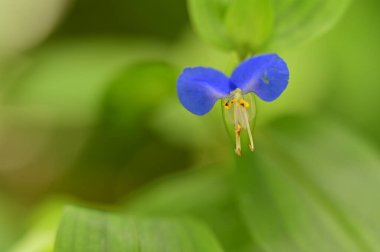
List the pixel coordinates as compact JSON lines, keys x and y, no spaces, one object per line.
{"x":89,"y":113}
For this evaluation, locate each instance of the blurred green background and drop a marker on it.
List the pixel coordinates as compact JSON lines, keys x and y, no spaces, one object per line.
{"x":89,"y":116}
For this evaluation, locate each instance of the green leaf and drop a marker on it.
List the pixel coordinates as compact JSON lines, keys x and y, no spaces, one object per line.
{"x":311,"y":186}
{"x":299,"y":20}
{"x":240,"y":25}
{"x":251,"y":26}
{"x":206,"y":194}
{"x":113,"y":166}
{"x":207,"y":17}
{"x":11,"y":220}
{"x":64,"y":81}
{"x":25,"y":30}
{"x":249,"y":23}
{"x":43,"y":225}
{"x":137,"y":91}
{"x":90,"y":230}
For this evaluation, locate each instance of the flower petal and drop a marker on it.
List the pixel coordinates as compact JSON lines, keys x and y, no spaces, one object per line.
{"x":266,"y":75}
{"x":199,"y":88}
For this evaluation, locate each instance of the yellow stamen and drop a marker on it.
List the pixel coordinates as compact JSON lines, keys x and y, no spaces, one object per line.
{"x":251,"y":145}
{"x":240,"y":111}
{"x":238,"y":146}
{"x":227,"y":105}
{"x":244,"y":103}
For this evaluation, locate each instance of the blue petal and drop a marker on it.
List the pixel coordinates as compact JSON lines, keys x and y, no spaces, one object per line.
{"x":266,"y":75}
{"x":199,"y":88}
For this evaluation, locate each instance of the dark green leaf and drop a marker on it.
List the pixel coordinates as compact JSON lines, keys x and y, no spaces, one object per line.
{"x":164,"y":19}
{"x":90,"y":230}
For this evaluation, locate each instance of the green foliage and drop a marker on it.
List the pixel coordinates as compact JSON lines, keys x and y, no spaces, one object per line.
{"x":352,"y":93}
{"x":250,"y":26}
{"x":90,"y":230}
{"x":143,"y":86}
{"x":206,"y":194}
{"x":44,"y":223}
{"x":68,"y":78}
{"x":10,"y":222}
{"x":92,"y":113}
{"x":300,"y":20}
{"x":164,"y":18}
{"x":207,"y":17}
{"x":307,"y":187}
{"x":114,"y":160}
{"x":51,"y":107}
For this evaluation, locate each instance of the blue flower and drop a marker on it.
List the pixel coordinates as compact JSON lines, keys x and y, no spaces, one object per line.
{"x":265,"y":75}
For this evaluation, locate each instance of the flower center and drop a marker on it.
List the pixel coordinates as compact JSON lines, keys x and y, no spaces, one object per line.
{"x":241,"y":113}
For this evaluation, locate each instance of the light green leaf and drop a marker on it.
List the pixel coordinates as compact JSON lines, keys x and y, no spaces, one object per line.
{"x":206,"y":194}
{"x":207,"y":17}
{"x":299,"y":20}
{"x":90,"y":230}
{"x":311,"y":187}
{"x":24,"y":24}
{"x":249,"y":23}
{"x":43,"y":225}
{"x":65,"y":81}
{"x":240,"y":25}
{"x":252,"y":26}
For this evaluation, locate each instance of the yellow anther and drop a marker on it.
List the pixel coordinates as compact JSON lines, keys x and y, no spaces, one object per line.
{"x":244,"y":103}
{"x":227,"y":105}
{"x":238,"y":130}
{"x":238,"y":144}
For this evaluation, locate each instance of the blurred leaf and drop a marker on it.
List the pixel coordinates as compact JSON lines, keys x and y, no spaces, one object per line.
{"x":162,"y":18}
{"x":138,"y":91}
{"x":311,"y":186}
{"x":251,"y":26}
{"x":65,"y":81}
{"x":50,"y":104}
{"x":242,"y":25}
{"x":249,"y":23}
{"x":50,"y":108}
{"x":11,"y":217}
{"x":326,"y":79}
{"x":90,"y":230}
{"x":300,"y":20}
{"x":205,"y":194}
{"x":43,"y":225}
{"x":208,"y":20}
{"x":352,"y":88}
{"x":115,"y":158}
{"x":25,"y":23}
